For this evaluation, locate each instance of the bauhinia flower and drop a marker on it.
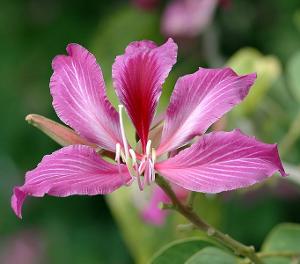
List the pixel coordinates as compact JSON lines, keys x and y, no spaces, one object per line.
{"x":185,"y":18}
{"x":216,"y":162}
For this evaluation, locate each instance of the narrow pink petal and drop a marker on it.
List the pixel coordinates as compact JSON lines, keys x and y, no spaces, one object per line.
{"x":58,"y":132}
{"x":200,"y":99}
{"x":75,"y":169}
{"x":138,"y":77}
{"x":187,"y":17}
{"x":222,"y":161}
{"x":79,"y":97}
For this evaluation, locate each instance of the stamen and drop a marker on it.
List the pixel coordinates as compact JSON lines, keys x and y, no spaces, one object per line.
{"x":148,"y":172}
{"x":153,"y":156}
{"x":135,"y":167}
{"x":148,"y":148}
{"x":142,"y":166}
{"x":152,"y":172}
{"x":117,"y":159}
{"x":118,"y":153}
{"x":133,"y":156}
{"x":123,"y":132}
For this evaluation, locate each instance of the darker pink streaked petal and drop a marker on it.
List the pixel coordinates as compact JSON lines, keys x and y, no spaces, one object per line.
{"x":198,"y":100}
{"x":138,"y":77}
{"x":222,"y":161}
{"x":187,"y":17}
{"x":79,"y":97}
{"x":75,"y":169}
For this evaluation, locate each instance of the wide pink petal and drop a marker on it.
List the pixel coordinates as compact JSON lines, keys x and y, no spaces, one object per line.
{"x":200,"y":99}
{"x":187,"y":17}
{"x":76,"y":169}
{"x":138,"y":76}
{"x":79,"y":97}
{"x":222,"y":161}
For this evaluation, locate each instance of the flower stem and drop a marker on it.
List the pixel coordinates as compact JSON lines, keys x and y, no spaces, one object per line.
{"x":188,"y":212}
{"x":191,"y":199}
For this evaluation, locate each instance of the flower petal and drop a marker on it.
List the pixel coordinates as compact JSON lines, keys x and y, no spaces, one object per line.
{"x":75,"y":169}
{"x":138,"y":76}
{"x":58,"y":132}
{"x":187,"y":17}
{"x":222,"y":161}
{"x":79,"y":97}
{"x":198,"y":100}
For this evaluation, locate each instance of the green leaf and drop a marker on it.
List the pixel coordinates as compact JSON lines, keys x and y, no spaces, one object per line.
{"x":179,"y":251}
{"x":293,"y":75}
{"x":212,"y":255}
{"x":284,"y":237}
{"x":268,"y":69}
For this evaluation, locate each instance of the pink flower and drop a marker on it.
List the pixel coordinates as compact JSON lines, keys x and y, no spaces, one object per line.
{"x":152,"y":213}
{"x":218,"y":161}
{"x":187,"y":17}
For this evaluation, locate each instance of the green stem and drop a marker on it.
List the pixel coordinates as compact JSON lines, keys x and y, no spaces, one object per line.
{"x":237,"y":247}
{"x":191,"y":199}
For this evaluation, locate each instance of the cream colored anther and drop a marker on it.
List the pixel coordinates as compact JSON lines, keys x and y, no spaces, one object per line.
{"x":123,"y":132}
{"x":133,"y":156}
{"x":118,"y":153}
{"x":148,"y":148}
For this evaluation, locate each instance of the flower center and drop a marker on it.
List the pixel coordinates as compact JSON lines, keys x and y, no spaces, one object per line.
{"x":140,"y":169}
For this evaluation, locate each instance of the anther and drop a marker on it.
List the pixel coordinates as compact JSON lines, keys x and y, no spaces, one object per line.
{"x":148,"y":148}
{"x":117,"y":159}
{"x":152,"y":172}
{"x":153,"y":155}
{"x":123,"y":132}
{"x":118,"y":153}
{"x":133,"y":156}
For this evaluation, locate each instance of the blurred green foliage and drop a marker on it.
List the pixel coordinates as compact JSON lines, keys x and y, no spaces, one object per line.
{"x":82,"y":229}
{"x":282,"y":246}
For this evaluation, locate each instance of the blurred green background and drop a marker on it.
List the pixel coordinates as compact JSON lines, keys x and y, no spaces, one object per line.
{"x":82,"y":229}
